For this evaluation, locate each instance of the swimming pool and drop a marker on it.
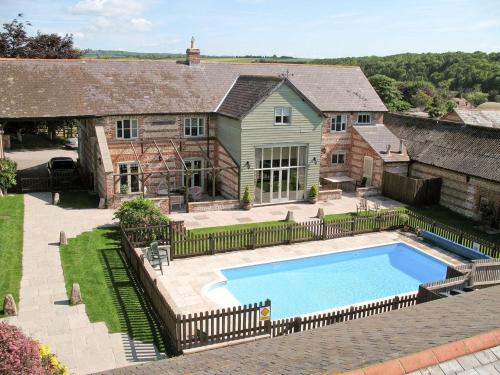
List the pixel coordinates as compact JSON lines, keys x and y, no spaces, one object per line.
{"x":310,"y":284}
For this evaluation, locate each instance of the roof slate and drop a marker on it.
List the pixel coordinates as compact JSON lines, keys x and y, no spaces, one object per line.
{"x":476,"y":117}
{"x":471,"y":150}
{"x":247,"y":92}
{"x":379,"y":137}
{"x":53,"y":88}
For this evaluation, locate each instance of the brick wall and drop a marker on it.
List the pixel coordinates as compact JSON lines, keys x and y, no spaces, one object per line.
{"x":220,"y":205}
{"x":340,"y":142}
{"x":360,"y":149}
{"x":326,"y":195}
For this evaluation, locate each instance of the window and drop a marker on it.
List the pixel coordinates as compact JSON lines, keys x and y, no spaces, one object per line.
{"x":194,"y":127}
{"x":129,"y":177}
{"x":127,"y":129}
{"x":282,"y":115}
{"x":339,"y":123}
{"x":364,"y":118}
{"x":338,"y":158}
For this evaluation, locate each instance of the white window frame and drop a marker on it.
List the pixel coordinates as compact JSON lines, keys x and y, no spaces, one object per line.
{"x":188,"y":127}
{"x":133,"y":128}
{"x":129,"y":165}
{"x":342,"y":125}
{"x":337,"y":153}
{"x":280,"y":112}
{"x":364,"y":114}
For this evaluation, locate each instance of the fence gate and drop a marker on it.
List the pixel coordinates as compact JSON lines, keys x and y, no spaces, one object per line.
{"x":63,"y":183}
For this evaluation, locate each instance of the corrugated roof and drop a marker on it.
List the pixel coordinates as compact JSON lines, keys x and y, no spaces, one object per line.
{"x":465,"y":149}
{"x":379,"y":137}
{"x":52,"y":88}
{"x":477,"y":117}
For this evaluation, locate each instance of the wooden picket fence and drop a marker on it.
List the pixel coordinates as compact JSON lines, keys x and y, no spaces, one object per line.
{"x":299,"y":324}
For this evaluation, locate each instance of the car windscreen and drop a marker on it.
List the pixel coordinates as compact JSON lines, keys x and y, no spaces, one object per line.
{"x":62,"y":164}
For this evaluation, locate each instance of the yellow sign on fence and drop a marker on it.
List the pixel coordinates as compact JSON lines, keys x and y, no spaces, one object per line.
{"x":265,"y":313}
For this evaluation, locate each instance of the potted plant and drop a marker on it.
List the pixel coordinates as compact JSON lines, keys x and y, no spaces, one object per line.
{"x":247,"y":199}
{"x":123,"y":189}
{"x":313,"y":194}
{"x":404,"y":218}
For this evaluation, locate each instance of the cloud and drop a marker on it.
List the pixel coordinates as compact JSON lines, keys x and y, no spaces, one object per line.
{"x":108,"y":8}
{"x":141,"y":24}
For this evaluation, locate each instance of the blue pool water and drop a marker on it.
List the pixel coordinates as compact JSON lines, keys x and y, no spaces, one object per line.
{"x":311,"y":284}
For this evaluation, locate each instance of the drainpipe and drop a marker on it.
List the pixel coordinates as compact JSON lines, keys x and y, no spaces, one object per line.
{"x":2,"y":155}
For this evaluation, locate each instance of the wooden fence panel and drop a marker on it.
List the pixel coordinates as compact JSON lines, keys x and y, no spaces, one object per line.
{"x":413,"y":191}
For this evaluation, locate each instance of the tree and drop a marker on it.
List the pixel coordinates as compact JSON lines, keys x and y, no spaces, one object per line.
{"x":8,"y":170}
{"x":15,"y":42}
{"x":387,"y":89}
{"x":437,"y":108}
{"x":420,"y":99}
{"x":476,"y":97}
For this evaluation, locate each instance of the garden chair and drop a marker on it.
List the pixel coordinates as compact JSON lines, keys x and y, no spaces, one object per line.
{"x":156,"y":254}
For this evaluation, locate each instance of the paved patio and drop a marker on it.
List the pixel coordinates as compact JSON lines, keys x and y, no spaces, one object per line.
{"x":190,"y":276}
{"x":345,"y":346}
{"x":44,"y":311}
{"x":302,"y":212}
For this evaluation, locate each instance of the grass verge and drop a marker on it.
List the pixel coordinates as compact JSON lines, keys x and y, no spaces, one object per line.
{"x":109,"y":290}
{"x":11,"y":246}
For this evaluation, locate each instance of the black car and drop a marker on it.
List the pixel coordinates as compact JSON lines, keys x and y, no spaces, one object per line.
{"x":62,"y":166}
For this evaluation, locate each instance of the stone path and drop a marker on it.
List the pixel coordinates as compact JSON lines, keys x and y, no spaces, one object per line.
{"x":484,"y":362}
{"x":44,"y":311}
{"x":302,"y":212}
{"x":345,"y":346}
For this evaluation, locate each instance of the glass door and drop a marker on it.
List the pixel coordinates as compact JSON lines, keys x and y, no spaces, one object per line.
{"x":194,"y":178}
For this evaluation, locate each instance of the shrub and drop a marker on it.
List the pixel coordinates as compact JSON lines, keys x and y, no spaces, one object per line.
{"x":140,"y":212}
{"x":20,"y":354}
{"x":247,"y":198}
{"x":404,"y":218}
{"x":313,"y":193}
{"x":8,"y":170}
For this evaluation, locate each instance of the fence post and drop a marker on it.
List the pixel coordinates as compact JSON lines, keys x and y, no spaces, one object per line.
{"x":395,"y":303}
{"x":267,"y":323}
{"x":212,"y":243}
{"x":353,"y":225}
{"x":324,"y":230}
{"x":297,"y":324}
{"x":290,"y":233}
{"x":171,"y":234}
{"x":461,"y":237}
{"x":433,"y":228}
{"x":253,"y":235}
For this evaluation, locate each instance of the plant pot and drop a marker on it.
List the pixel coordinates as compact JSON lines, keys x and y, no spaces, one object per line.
{"x":247,"y":206}
{"x":313,"y":200}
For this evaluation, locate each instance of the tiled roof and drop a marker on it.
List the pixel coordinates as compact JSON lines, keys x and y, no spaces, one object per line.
{"x":52,"y":88}
{"x":466,"y":149}
{"x":379,"y":137}
{"x":476,"y":117}
{"x":246,"y":93}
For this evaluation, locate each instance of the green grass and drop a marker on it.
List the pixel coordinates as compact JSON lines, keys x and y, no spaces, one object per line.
{"x":235,"y":227}
{"x":11,"y":246}
{"x":448,"y":217}
{"x":78,"y":200}
{"x":109,"y":290}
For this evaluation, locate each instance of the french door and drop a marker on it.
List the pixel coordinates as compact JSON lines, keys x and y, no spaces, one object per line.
{"x":194,"y":178}
{"x":129,"y":178}
{"x":280,"y":174}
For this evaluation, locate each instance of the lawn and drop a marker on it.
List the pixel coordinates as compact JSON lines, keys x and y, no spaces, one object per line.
{"x":11,"y":246}
{"x":235,"y":227}
{"x":109,"y":290}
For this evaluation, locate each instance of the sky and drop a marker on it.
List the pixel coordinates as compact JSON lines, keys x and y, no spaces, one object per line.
{"x":300,"y":28}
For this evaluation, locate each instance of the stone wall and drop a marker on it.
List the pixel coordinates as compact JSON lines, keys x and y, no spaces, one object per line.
{"x":326,"y":195}
{"x":359,"y":149}
{"x":459,"y":192}
{"x":217,"y":205}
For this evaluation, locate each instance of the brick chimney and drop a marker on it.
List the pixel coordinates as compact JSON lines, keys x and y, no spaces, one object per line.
{"x":193,"y":53}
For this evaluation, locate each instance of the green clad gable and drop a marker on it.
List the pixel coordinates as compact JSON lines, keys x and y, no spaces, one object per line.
{"x":258,"y":130}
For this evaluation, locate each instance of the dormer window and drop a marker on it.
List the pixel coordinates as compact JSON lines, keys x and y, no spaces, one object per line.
{"x":339,"y":123}
{"x":282,"y":115}
{"x":364,"y":118}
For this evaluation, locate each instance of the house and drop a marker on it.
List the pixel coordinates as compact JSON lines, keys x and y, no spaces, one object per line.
{"x":475,"y":117}
{"x":195,"y":134}
{"x":467,"y":158}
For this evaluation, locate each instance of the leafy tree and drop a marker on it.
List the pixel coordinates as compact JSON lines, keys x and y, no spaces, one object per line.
{"x":476,"y":97}
{"x":421,"y":99}
{"x":15,"y":42}
{"x":140,"y":212}
{"x":437,"y":108}
{"x":387,"y":89}
{"x":8,"y":170}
